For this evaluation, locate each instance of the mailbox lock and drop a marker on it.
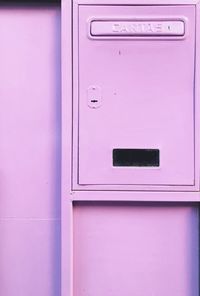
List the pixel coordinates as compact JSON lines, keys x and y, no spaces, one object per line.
{"x":94,"y":96}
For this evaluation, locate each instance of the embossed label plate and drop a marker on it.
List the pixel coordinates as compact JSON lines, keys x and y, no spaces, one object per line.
{"x":137,"y":28}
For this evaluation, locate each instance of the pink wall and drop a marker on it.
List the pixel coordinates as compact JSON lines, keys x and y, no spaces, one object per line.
{"x":29,"y":151}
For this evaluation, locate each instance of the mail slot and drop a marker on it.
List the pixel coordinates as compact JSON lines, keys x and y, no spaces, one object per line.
{"x":136,"y":95}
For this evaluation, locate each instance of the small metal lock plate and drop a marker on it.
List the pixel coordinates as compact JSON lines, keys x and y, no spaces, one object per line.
{"x":94,"y":96}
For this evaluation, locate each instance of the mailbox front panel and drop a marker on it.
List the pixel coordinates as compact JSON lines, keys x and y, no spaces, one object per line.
{"x":135,"y":250}
{"x":136,"y":95}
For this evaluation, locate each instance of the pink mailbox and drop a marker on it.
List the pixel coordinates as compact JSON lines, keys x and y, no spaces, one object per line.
{"x":130,"y":147}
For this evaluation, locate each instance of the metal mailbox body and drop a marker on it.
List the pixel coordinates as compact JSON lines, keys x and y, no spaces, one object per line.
{"x":134,"y":90}
{"x":143,"y":85}
{"x":130,"y":147}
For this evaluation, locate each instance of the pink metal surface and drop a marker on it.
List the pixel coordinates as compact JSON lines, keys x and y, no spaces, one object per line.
{"x":30,"y":257}
{"x":30,"y":112}
{"x":135,"y":249}
{"x":30,"y":151}
{"x":144,"y":83}
{"x":107,"y":248}
{"x":111,"y":244}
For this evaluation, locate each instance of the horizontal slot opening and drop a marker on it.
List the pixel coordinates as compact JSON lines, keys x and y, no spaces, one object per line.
{"x":136,"y":157}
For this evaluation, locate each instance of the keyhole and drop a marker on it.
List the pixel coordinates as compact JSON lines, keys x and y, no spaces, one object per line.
{"x":94,"y":101}
{"x":94,"y":97}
